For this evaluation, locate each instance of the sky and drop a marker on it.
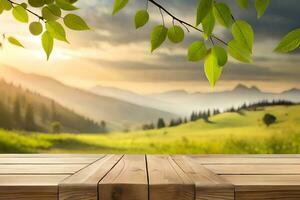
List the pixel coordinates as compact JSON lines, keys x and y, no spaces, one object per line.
{"x":114,"y":54}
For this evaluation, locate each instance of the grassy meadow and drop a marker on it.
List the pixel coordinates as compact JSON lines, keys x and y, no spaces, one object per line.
{"x":226,"y":133}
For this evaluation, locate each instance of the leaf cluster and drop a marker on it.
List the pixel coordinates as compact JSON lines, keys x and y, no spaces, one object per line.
{"x":51,"y":21}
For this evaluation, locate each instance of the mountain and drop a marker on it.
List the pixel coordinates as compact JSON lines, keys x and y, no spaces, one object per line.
{"x":23,"y":110}
{"x":184,"y":103}
{"x":119,"y":114}
{"x":136,"y":98}
{"x":225,"y":99}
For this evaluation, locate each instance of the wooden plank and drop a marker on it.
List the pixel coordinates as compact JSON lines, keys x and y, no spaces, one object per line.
{"x":254,"y":169}
{"x":29,"y":187}
{"x":265,"y":180}
{"x":52,"y":160}
{"x":29,"y":193}
{"x":84,"y":184}
{"x":244,"y":155}
{"x":208,"y":185}
{"x":40,"y":169}
{"x":265,"y":192}
{"x":50,"y":155}
{"x":167,"y":181}
{"x":126,"y":181}
{"x":250,"y":160}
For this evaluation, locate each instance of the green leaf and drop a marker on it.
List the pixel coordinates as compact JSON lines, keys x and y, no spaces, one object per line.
{"x":72,"y":1}
{"x":14,"y":41}
{"x":6,"y":4}
{"x":158,"y":36}
{"x":290,"y":42}
{"x":261,"y":7}
{"x":239,"y":52}
{"x":141,"y":18}
{"x":221,"y":54}
{"x":204,"y":7}
{"x":197,"y":51}
{"x":243,"y":3}
{"x":56,"y":30}
{"x":75,"y":22}
{"x":65,"y":5}
{"x":212,"y":70}
{"x":36,"y":3}
{"x":119,"y":5}
{"x":35,"y":28}
{"x":24,"y":5}
{"x":243,"y":34}
{"x":20,"y":14}
{"x":208,"y":25}
{"x":47,"y":43}
{"x":49,"y":1}
{"x":176,"y":34}
{"x":1,"y":10}
{"x":51,"y":12}
{"x":223,"y":14}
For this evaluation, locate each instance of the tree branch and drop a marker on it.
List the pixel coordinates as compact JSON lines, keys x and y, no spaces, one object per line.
{"x":184,"y":23}
{"x":33,"y":13}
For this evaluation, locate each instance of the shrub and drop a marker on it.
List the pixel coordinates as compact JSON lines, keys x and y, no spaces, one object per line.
{"x":269,"y":119}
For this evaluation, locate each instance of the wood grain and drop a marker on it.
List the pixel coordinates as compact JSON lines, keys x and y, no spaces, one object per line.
{"x":84,"y":184}
{"x":265,"y":192}
{"x":50,"y":160}
{"x":264,"y":180}
{"x":126,"y":181}
{"x":248,"y":160}
{"x":40,"y":169}
{"x":149,"y":177}
{"x":167,"y":180}
{"x":255,"y":169}
{"x":29,"y":187}
{"x":208,"y":185}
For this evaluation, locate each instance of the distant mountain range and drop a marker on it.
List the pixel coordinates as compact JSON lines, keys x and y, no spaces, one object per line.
{"x":118,"y":114}
{"x":182,"y":102}
{"x":126,"y":109}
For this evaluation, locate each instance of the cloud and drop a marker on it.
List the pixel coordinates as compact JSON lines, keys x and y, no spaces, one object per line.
{"x":115,"y":51}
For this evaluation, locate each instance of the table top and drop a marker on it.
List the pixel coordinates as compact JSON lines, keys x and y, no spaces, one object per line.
{"x":144,"y":177}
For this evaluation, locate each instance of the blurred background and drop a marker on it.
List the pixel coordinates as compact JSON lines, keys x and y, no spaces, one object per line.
{"x":105,"y":92}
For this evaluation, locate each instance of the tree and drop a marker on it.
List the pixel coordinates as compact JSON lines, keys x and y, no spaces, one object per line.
{"x":5,"y":117}
{"x":29,"y":122}
{"x":17,"y":113}
{"x":269,"y":119}
{"x":56,"y":126}
{"x":161,"y":123}
{"x":44,"y":113}
{"x":54,"y":114}
{"x":103,"y":126}
{"x":208,"y":13}
{"x":47,"y":24}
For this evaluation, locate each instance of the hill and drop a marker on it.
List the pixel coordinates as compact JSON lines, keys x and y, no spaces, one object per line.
{"x":119,"y":114}
{"x":184,"y":103}
{"x":242,"y":132}
{"x":23,"y":110}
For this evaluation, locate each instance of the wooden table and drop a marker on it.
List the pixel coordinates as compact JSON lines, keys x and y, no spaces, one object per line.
{"x":154,"y":177}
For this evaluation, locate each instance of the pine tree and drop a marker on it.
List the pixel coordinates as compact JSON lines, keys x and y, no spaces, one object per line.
{"x":29,"y":119}
{"x":44,"y":113}
{"x":17,"y":114}
{"x":161,"y":123}
{"x":53,"y":112}
{"x":5,"y":117}
{"x":103,"y":126}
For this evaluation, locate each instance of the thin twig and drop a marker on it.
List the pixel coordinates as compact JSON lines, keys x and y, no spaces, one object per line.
{"x":35,"y":14}
{"x":183,"y":22}
{"x":162,"y":16}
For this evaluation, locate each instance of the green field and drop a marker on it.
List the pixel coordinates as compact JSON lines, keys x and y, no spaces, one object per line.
{"x":227,"y":133}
